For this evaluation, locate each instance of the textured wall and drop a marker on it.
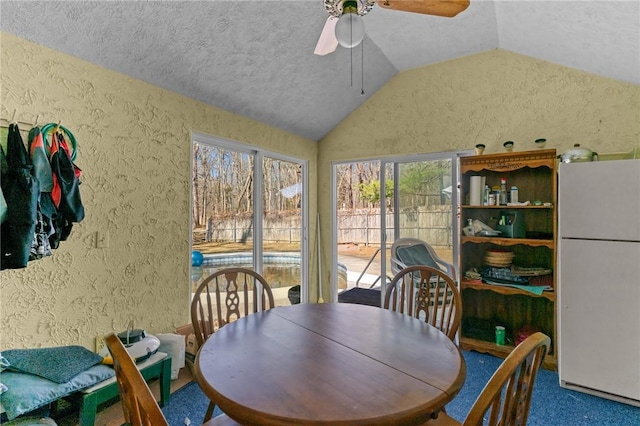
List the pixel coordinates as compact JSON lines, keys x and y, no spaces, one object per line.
{"x":134,"y":150}
{"x":486,"y":98}
{"x":489,"y":98}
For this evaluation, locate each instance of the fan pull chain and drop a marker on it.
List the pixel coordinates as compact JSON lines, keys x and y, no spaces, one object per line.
{"x":351,"y":73}
{"x":351,"y":51}
{"x":362,"y":69}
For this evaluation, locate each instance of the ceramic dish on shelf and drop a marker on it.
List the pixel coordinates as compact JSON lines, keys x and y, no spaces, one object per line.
{"x":486,"y":233}
{"x":530,"y":272}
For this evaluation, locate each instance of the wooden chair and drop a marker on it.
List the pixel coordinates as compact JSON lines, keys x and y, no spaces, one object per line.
{"x":506,"y":398}
{"x":426,"y":293}
{"x":413,"y":251}
{"x":139,"y":406}
{"x":237,"y":292}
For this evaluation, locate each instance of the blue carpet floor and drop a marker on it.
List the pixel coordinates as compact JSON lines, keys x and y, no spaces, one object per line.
{"x":188,"y":402}
{"x":551,"y":404}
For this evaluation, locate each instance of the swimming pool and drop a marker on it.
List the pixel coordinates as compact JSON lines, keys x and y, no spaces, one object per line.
{"x":280,"y":269}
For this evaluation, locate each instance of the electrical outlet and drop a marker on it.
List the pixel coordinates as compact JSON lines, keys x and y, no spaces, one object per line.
{"x":100,"y":343}
{"x":102,"y":239}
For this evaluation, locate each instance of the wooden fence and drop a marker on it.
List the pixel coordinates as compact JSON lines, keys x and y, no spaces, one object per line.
{"x":432,"y":224}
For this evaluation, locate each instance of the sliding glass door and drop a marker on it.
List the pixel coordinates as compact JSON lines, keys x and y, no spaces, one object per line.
{"x":232,"y":182}
{"x":376,"y":202}
{"x":422,"y":203}
{"x":282,"y":225}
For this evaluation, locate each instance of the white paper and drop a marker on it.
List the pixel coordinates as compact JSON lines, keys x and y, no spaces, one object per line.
{"x":475,"y":194}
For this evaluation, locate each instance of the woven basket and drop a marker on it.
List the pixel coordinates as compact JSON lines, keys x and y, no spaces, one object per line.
{"x":498,"y":258}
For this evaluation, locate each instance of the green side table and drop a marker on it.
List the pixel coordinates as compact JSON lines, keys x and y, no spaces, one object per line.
{"x":156,"y":366}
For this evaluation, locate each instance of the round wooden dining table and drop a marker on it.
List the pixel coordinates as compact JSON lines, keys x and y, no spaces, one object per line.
{"x":329,"y":364}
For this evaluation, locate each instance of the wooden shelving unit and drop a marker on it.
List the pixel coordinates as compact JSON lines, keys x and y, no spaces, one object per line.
{"x":550,"y":363}
{"x":486,"y":305}
{"x":509,"y":241}
{"x":509,"y":291}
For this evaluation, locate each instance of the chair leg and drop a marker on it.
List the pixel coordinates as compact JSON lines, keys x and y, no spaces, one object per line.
{"x":209,"y":413}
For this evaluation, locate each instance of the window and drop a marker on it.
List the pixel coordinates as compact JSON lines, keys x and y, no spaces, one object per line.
{"x":233,"y":181}
{"x":379,"y":201}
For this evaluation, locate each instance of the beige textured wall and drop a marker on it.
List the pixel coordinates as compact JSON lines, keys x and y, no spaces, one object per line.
{"x":134,"y":150}
{"x":489,"y":98}
{"x":485,"y":98}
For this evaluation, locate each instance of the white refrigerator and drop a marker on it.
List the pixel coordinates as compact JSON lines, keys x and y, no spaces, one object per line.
{"x":599,"y":278}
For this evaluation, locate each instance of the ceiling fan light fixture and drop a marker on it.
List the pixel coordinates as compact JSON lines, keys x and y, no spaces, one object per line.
{"x":350,"y":27}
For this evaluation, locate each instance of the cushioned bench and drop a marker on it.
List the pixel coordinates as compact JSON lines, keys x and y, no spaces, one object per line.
{"x":28,"y":392}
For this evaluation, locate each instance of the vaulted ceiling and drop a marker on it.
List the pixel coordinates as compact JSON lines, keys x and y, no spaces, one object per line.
{"x":255,"y":58}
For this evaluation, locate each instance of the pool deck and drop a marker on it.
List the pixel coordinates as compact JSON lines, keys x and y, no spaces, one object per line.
{"x":367,"y":280}
{"x":355,"y":265}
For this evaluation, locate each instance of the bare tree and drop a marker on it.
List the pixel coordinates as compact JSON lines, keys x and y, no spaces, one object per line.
{"x":196,"y":187}
{"x":223,"y":183}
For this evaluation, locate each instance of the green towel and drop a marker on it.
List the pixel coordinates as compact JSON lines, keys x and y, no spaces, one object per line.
{"x":537,"y":290}
{"x":416,"y":254}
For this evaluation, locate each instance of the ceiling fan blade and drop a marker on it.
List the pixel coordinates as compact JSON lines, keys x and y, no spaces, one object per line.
{"x":446,"y":8}
{"x":327,"y":42}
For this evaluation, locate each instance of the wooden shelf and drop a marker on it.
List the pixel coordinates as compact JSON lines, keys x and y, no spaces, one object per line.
{"x":534,"y":173}
{"x":467,"y":343}
{"x":510,"y":161}
{"x":464,"y":284}
{"x":501,"y":351}
{"x":508,"y":207}
{"x":533,"y":242}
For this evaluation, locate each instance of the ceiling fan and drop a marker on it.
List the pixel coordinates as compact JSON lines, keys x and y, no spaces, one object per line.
{"x":344,"y":26}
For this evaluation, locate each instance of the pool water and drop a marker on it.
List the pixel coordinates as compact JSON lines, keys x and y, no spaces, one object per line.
{"x":277,"y":276}
{"x":280,"y":269}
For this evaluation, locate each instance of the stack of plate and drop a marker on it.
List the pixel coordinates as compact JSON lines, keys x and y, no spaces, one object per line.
{"x":498,"y":258}
{"x":530,"y":272}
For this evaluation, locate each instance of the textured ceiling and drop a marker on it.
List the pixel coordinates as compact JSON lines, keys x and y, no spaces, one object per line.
{"x":255,"y":58}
